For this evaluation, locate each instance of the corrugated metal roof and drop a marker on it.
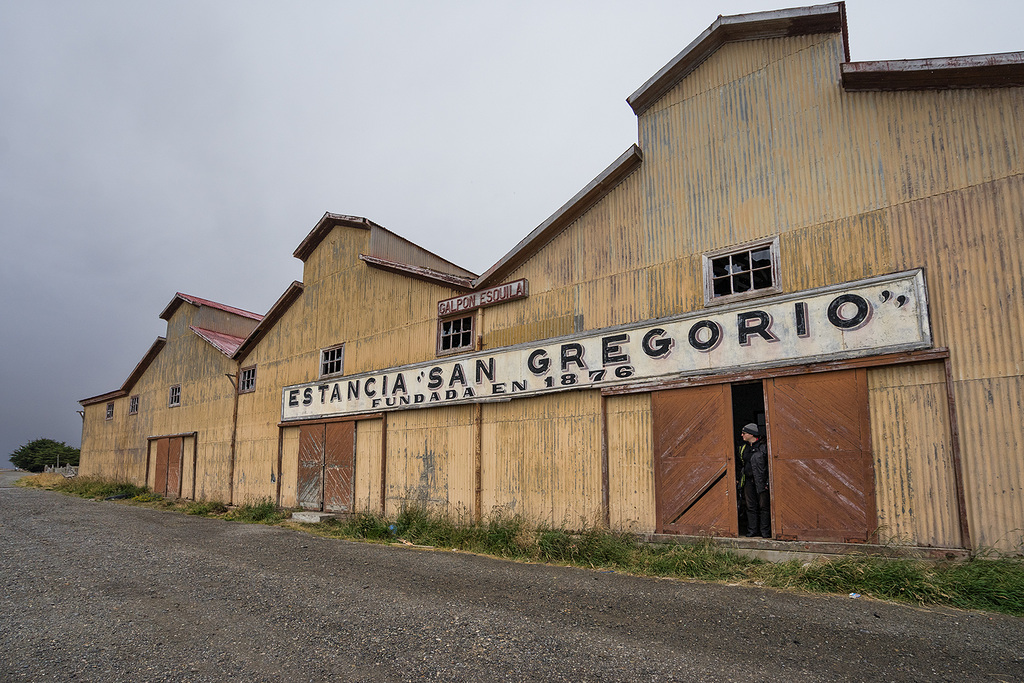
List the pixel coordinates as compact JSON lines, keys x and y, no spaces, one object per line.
{"x":180,"y":298}
{"x":384,"y":244}
{"x":974,"y":71}
{"x":225,"y":343}
{"x":418,"y":272}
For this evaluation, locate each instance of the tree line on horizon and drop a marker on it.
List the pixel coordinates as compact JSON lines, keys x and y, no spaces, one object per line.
{"x":36,"y":455}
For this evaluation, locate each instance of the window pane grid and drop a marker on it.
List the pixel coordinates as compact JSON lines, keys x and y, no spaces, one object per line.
{"x":456,"y":334}
{"x":331,"y":361}
{"x":133,"y":405}
{"x":743,"y":271}
{"x":174,"y":397}
{"x":247,"y":380}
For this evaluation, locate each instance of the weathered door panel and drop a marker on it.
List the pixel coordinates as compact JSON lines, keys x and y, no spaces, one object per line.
{"x":819,"y":440}
{"x":174,"y":457}
{"x":694,"y":467}
{"x":310,"y":485}
{"x":339,"y":466}
{"x":160,"y":467}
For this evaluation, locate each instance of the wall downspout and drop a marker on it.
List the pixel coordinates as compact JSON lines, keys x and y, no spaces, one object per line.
{"x":234,"y":431}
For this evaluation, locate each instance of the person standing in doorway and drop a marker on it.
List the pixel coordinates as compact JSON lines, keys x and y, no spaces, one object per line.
{"x":754,"y":481}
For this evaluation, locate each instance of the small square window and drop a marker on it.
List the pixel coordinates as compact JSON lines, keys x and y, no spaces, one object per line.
{"x":332,"y":360}
{"x":110,"y":411}
{"x":174,"y":397}
{"x":133,"y":405}
{"x":455,"y":334}
{"x":247,"y":380}
{"x":742,"y":272}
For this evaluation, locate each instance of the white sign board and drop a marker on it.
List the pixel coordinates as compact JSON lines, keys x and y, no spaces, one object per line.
{"x":868,"y":317}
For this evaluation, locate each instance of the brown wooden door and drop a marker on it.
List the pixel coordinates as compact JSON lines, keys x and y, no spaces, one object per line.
{"x":160,"y":467}
{"x":694,"y":466}
{"x":174,"y":453}
{"x":339,"y":466}
{"x":819,"y":441}
{"x":167,"y":479}
{"x":310,"y":486}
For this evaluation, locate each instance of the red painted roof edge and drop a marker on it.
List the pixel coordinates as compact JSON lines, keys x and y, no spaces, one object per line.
{"x":180,"y":298}
{"x":218,"y":339}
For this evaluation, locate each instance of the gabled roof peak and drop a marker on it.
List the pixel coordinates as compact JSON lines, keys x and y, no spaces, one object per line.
{"x":727,"y":29}
{"x":180,"y":298}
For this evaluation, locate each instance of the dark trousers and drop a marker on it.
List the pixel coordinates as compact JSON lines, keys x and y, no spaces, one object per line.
{"x":759,"y":511}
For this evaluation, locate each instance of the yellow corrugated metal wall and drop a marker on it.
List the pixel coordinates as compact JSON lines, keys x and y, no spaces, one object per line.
{"x":382,"y":318}
{"x":289,"y":467}
{"x":541,"y":458}
{"x":630,"y":463}
{"x":759,"y":140}
{"x":762,"y":140}
{"x":431,"y":460}
{"x":118,"y":448}
{"x":910,"y":439}
{"x":369,"y":437}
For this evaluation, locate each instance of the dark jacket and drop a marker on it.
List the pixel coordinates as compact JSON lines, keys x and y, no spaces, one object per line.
{"x":754,"y":459}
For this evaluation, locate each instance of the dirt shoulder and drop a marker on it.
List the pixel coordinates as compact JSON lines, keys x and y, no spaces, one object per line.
{"x":100,"y":591}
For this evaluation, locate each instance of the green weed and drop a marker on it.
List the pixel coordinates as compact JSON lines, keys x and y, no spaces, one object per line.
{"x":204,"y":508}
{"x":148,"y":497}
{"x":263,"y":511}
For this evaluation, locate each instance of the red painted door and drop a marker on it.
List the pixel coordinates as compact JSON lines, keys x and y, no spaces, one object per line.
{"x":310,"y":484}
{"x":160,"y":467}
{"x":339,"y":466}
{"x":174,"y":453}
{"x":694,"y":467}
{"x":819,"y":441}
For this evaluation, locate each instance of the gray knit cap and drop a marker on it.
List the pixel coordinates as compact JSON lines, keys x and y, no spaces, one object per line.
{"x":752,"y":429}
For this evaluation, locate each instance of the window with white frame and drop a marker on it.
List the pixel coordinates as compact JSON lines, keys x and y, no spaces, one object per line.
{"x":174,"y":397}
{"x":133,"y":405}
{"x":110,"y":411}
{"x":332,"y":360}
{"x":745,"y":271}
{"x":247,"y":380}
{"x":455,"y":334}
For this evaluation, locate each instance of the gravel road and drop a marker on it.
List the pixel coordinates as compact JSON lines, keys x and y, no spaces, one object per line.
{"x":96,"y":591}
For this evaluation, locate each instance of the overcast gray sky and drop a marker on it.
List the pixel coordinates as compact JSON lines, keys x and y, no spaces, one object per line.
{"x":154,"y":147}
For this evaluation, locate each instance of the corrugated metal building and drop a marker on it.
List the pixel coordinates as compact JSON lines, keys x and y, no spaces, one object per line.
{"x":829,"y":249}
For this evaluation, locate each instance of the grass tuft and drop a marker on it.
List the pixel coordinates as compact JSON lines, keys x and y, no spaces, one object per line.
{"x":205,"y":508}
{"x":84,"y":487}
{"x":263,"y":511}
